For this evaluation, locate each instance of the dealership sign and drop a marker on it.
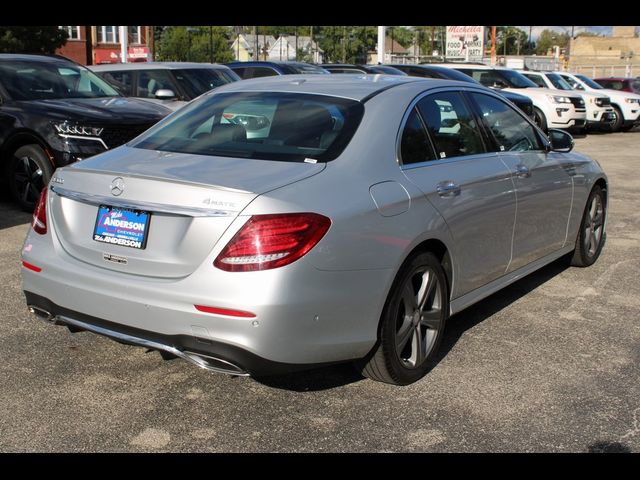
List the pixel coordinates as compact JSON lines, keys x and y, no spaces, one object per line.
{"x":465,"y":43}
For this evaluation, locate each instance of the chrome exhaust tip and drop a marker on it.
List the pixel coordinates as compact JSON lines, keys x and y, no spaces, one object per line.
{"x":42,"y":313}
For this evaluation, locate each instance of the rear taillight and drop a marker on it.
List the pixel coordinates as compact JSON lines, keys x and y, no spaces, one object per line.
{"x":39,"y":222}
{"x":271,"y":241}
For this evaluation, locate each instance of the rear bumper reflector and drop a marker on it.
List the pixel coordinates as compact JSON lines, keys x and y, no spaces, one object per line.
{"x":31,"y":267}
{"x":224,"y":311}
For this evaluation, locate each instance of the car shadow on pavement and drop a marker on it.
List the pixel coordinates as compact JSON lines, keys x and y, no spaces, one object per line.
{"x":343,"y":374}
{"x":608,"y":447}
{"x":11,"y":215}
{"x":465,"y":320}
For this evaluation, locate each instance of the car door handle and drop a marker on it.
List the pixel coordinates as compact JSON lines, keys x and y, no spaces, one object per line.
{"x":522,"y":171}
{"x":448,"y":188}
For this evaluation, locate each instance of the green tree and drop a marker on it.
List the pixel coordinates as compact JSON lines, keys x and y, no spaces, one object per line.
{"x":511,"y":41}
{"x":194,"y":44}
{"x":549,"y":38}
{"x":30,"y":39}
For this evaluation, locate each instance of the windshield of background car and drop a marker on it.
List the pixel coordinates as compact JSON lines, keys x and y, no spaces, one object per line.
{"x":558,"y":82}
{"x":499,"y":78}
{"x":589,"y":82}
{"x":28,"y":80}
{"x":196,"y":81}
{"x":635,"y":85}
{"x":259,"y":125}
{"x":307,"y":68}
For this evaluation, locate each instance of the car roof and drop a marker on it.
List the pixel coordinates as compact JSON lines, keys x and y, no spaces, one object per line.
{"x":155,"y":66}
{"x":617,"y":79}
{"x":35,"y":58}
{"x":356,"y":87}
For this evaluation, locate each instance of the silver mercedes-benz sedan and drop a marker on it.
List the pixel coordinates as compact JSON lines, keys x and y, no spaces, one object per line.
{"x":283,"y":223}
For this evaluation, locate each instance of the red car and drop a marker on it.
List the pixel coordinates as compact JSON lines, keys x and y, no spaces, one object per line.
{"x":620,"y":83}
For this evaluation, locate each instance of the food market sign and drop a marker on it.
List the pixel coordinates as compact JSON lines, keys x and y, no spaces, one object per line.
{"x":465,"y":43}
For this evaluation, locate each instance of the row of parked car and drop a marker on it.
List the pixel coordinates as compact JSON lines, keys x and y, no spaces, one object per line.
{"x":54,"y":112}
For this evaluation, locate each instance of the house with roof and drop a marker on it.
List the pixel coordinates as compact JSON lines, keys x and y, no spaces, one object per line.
{"x":244,"y":46}
{"x":393,"y":52}
{"x":284,"y":49}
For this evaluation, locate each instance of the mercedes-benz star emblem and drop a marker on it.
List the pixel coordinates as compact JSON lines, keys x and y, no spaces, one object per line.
{"x":117,"y":186}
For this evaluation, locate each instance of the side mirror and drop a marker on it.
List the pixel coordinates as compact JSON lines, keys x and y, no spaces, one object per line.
{"x":165,"y":94}
{"x":561,"y":141}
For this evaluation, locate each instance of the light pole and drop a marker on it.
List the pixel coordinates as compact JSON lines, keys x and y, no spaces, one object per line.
{"x":190,"y":30}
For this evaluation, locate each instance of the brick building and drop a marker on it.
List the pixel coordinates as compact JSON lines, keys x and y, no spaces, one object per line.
{"x":92,"y":45}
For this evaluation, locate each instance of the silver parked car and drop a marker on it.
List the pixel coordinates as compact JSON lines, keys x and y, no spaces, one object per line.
{"x":286,"y":222}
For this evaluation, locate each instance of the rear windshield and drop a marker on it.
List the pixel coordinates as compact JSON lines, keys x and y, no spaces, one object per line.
{"x":260,"y":125}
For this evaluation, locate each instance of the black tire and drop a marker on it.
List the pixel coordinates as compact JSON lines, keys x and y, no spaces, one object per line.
{"x":589,"y":242}
{"x":540,"y":119}
{"x":29,"y":172}
{"x":408,"y":340}
{"x":616,"y":124}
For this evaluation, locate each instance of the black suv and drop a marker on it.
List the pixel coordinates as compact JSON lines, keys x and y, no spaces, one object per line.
{"x":54,"y":112}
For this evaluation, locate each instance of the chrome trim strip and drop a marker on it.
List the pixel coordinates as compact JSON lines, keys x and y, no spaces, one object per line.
{"x":139,"y":205}
{"x":80,"y":137}
{"x":190,"y":357}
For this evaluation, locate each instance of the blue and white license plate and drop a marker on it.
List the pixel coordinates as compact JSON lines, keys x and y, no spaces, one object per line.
{"x":119,"y":226}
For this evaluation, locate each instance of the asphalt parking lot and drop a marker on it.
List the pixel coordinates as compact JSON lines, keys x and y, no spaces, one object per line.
{"x":550,"y":364}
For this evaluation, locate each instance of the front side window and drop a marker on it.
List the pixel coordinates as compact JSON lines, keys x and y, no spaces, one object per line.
{"x":414,"y":145}
{"x":259,"y":125}
{"x":589,"y":82}
{"x":451,"y":125}
{"x":196,"y":81}
{"x":575,"y":85}
{"x":558,"y":82}
{"x":510,"y":130}
{"x":27,"y":80}
{"x":150,"y":81}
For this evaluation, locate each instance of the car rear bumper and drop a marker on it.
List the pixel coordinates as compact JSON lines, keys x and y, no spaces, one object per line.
{"x":202,"y":352}
{"x":303,"y":316}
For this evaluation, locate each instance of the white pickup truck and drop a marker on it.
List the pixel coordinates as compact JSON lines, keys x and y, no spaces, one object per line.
{"x":600,"y":113}
{"x":626,"y":106}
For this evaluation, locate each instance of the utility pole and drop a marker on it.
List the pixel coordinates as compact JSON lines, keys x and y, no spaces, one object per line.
{"x":493,"y":45}
{"x":124,"y":39}
{"x":381,"y":35}
{"x":211,"y":43}
{"x":256,"y":53}
{"x":344,"y":44}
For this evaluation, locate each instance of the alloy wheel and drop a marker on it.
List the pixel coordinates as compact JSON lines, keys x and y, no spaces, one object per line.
{"x":28,"y":177}
{"x":593,"y":226}
{"x":419,"y":317}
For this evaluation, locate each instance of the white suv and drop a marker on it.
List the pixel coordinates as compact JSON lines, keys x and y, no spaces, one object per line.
{"x":626,"y":106}
{"x":599,"y":109}
{"x":552,"y":109}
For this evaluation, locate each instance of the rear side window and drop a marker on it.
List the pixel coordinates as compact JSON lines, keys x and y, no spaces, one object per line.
{"x":122,"y":81}
{"x":451,"y":125}
{"x":510,"y":130}
{"x":537,"y":79}
{"x":260,"y":125}
{"x":258,"y":72}
{"x":414,"y":145}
